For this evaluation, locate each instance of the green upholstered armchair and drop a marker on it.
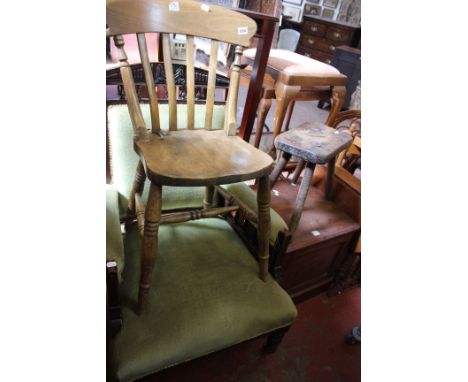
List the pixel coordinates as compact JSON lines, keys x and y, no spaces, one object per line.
{"x":206,"y":296}
{"x":206,"y":293}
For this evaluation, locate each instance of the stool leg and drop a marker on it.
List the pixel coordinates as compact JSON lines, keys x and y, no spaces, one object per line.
{"x":284,"y":95}
{"x":263,"y":203}
{"x":150,"y":244}
{"x":297,"y":171}
{"x":289,"y":115}
{"x":301,"y":197}
{"x":263,"y":109}
{"x":279,"y":168}
{"x":137,"y":188}
{"x":329,"y":184}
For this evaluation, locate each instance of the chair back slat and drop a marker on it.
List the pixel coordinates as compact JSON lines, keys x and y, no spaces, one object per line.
{"x":230,"y":117}
{"x":190,"y":74}
{"x":183,"y":17}
{"x":170,"y":83}
{"x":210,"y":91}
{"x":154,"y":108}
{"x":139,"y":126}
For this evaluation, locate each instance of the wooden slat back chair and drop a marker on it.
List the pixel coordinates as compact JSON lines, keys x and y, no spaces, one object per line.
{"x":197,"y":155}
{"x":352,"y":119}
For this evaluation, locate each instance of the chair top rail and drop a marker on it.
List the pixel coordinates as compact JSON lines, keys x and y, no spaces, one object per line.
{"x":182,"y":16}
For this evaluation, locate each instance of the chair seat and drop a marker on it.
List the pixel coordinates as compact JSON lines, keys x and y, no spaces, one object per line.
{"x":201,"y":157}
{"x":314,"y":142}
{"x":206,"y":296}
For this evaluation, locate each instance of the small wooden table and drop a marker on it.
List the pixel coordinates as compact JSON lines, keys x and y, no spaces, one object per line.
{"x":315,"y":143}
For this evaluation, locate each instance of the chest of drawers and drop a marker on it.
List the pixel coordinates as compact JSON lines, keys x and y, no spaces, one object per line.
{"x":320,"y":38}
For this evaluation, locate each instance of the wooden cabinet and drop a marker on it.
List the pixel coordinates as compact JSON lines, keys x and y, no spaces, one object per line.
{"x":320,"y":38}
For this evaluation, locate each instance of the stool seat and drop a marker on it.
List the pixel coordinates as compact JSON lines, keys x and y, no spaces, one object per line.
{"x":280,"y":59}
{"x":314,"y":142}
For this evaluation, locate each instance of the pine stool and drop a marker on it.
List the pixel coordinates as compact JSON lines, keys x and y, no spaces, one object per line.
{"x":314,"y":143}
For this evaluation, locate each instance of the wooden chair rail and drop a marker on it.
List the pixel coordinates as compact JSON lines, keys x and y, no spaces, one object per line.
{"x":113,"y":76}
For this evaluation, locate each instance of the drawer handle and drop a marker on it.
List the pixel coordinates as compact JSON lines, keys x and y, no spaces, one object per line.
{"x":337,"y":35}
{"x":332,"y":48}
{"x":307,"y":54}
{"x":328,"y":61}
{"x":310,"y":41}
{"x":314,"y":28}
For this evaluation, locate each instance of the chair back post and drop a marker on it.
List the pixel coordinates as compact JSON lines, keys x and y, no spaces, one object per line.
{"x":230,"y":119}
{"x":138,"y":123}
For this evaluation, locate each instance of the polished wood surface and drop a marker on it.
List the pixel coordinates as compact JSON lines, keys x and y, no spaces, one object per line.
{"x":200,"y":157}
{"x":192,"y":156}
{"x":182,"y":16}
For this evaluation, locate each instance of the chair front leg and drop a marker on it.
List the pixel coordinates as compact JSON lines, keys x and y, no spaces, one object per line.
{"x":208,"y":199}
{"x":150,"y":244}
{"x":137,"y":188}
{"x":263,"y":202}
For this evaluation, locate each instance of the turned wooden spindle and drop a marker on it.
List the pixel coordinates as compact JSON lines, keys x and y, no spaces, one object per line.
{"x":137,"y":188}
{"x":230,"y":120}
{"x":263,"y":202}
{"x":150,"y":243}
{"x":134,"y":109}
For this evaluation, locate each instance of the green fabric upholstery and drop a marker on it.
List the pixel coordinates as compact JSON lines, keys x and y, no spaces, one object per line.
{"x":124,"y":159}
{"x":249,"y":197}
{"x":114,"y":244}
{"x":206,"y":296}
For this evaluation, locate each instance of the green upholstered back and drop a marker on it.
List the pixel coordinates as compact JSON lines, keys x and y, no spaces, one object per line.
{"x":206,"y":295}
{"x":249,"y":197}
{"x":124,"y":159}
{"x":114,"y":244}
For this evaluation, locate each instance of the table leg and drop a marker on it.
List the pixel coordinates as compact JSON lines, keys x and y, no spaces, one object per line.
{"x":284,"y":95}
{"x":263,"y":109}
{"x":301,"y":197}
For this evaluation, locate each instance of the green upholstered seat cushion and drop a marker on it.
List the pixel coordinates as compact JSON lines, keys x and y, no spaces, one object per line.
{"x":124,"y":159}
{"x":206,"y":296}
{"x":249,"y":197}
{"x":114,"y":244}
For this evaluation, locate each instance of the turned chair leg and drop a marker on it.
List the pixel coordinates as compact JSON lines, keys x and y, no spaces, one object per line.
{"x":208,"y":199}
{"x":137,"y":188}
{"x":263,"y":109}
{"x":150,"y":244}
{"x":274,"y":339}
{"x":297,"y":171}
{"x":279,"y":168}
{"x":263,"y":202}
{"x":301,"y":197}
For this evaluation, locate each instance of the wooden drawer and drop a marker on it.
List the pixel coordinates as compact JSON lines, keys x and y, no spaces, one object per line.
{"x":319,"y":43}
{"x":315,"y":54}
{"x":339,"y":35}
{"x":313,"y":28}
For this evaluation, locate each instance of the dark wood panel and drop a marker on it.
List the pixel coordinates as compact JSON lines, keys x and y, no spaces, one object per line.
{"x":314,"y":28}
{"x":315,"y":54}
{"x":319,"y":43}
{"x":339,"y":34}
